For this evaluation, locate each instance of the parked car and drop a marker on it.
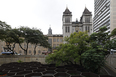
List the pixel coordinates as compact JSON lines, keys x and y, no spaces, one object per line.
{"x":9,"y":53}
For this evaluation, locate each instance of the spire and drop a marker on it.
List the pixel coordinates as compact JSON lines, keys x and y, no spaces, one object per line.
{"x":76,"y":20}
{"x":50,"y":31}
{"x":67,"y":11}
{"x":86,"y":11}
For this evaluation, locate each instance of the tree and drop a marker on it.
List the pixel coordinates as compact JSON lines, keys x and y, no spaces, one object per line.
{"x":38,"y":39}
{"x":93,"y":61}
{"x":5,"y":35}
{"x":79,"y":39}
{"x":101,"y":44}
{"x":66,"y":54}
{"x":101,"y":40}
{"x":31,"y":36}
{"x":70,"y":53}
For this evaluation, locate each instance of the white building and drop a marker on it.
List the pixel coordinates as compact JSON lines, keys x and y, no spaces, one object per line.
{"x":104,"y":14}
{"x":85,"y":23}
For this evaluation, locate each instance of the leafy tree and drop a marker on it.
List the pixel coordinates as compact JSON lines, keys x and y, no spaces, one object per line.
{"x":81,"y":40}
{"x":31,"y":36}
{"x":101,"y":44}
{"x":5,"y":36}
{"x":101,"y":40}
{"x":39,"y":39}
{"x":93,"y":61}
{"x":66,"y":54}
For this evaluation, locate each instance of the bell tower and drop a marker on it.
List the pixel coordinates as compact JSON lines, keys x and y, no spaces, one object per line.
{"x":87,"y":21}
{"x":67,"y":23}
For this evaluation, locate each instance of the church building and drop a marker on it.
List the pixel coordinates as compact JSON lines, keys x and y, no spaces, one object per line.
{"x":69,"y":26}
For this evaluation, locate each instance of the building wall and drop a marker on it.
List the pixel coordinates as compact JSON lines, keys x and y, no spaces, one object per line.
{"x":39,"y":49}
{"x":56,"y":40}
{"x":101,"y":14}
{"x":112,"y":14}
{"x":25,"y":58}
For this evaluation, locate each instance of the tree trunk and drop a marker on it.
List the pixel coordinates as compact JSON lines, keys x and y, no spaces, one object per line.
{"x":80,"y":62}
{"x":35,"y":48}
{"x":25,"y":50}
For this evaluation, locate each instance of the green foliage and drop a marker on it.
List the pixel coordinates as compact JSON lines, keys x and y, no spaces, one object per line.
{"x":21,"y":35}
{"x":92,"y":60}
{"x":81,"y":40}
{"x":19,"y":61}
{"x":66,"y":54}
{"x":101,"y":44}
{"x":101,"y":40}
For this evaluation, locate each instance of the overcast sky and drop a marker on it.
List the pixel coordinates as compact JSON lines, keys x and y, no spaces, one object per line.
{"x":41,"y":14}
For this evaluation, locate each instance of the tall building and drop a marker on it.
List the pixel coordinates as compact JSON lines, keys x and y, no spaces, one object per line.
{"x":69,"y":26}
{"x":104,"y":14}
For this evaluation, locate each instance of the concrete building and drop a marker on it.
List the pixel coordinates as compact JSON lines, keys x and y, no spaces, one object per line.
{"x":104,"y":14}
{"x":69,"y":26}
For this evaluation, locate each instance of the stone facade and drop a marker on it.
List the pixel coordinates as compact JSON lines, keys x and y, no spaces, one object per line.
{"x":85,"y":23}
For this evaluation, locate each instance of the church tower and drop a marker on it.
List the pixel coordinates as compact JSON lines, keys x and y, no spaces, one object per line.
{"x":50,"y":31}
{"x":86,"y":19}
{"x":67,"y":23}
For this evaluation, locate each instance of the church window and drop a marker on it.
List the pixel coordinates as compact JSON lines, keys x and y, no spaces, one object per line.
{"x":67,"y":20}
{"x":65,"y":29}
{"x":87,"y":20}
{"x":68,"y":29}
{"x":88,"y":28}
{"x":85,"y":28}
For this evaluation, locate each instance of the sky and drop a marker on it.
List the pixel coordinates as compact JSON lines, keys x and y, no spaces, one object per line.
{"x":41,"y":14}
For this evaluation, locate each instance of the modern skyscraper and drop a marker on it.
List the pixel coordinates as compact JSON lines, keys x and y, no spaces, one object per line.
{"x":104,"y":14}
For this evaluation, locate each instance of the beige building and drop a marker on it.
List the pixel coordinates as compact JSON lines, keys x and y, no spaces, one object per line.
{"x":54,"y":40}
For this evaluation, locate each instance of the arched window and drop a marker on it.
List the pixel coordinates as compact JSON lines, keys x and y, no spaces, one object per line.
{"x":20,"y":51}
{"x":29,"y":51}
{"x":68,"y":29}
{"x":39,"y":51}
